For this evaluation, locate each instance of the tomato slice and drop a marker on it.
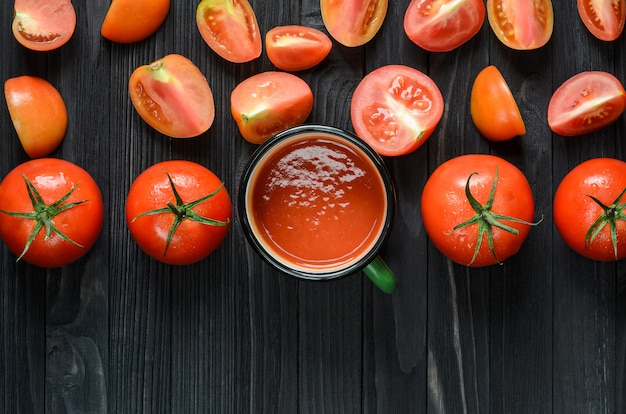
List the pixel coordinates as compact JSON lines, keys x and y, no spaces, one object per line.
{"x":443,"y":25}
{"x":493,"y":108}
{"x":173,"y":96}
{"x":230,"y":29}
{"x":43,"y":25}
{"x":521,"y":24}
{"x":268,"y":103}
{"x":294,"y":48}
{"x":604,"y":19}
{"x":395,"y":109}
{"x":585,"y":103}
{"x":353,"y":22}
{"x":129,"y":21}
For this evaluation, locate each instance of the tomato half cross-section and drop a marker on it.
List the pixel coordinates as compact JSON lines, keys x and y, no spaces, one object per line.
{"x":230,"y":29}
{"x":173,"y":97}
{"x":353,"y":22}
{"x":585,"y":103}
{"x":294,"y":48}
{"x":38,"y":113}
{"x":477,"y":209}
{"x":129,"y":21}
{"x":521,"y":24}
{"x":604,"y":19}
{"x":443,"y":25}
{"x":395,"y":109}
{"x":51,"y":212}
{"x":178,"y":211}
{"x":43,"y":25}
{"x":590,"y":209}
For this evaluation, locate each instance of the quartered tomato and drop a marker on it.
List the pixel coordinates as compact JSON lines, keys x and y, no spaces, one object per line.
{"x":521,"y":24}
{"x":129,"y":21}
{"x":477,"y":209}
{"x":51,"y":212}
{"x":268,"y":103}
{"x":294,"y":48}
{"x":604,"y":18}
{"x":585,"y":103}
{"x":178,"y":211}
{"x":590,"y":209}
{"x":395,"y":109}
{"x":43,"y":25}
{"x":443,"y":25}
{"x":353,"y":22}
{"x":38,"y":113}
{"x":173,"y":96}
{"x":230,"y":29}
{"x":493,"y":108}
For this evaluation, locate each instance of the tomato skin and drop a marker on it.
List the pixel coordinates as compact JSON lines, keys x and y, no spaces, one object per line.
{"x":445,"y":205}
{"x":270,"y":102}
{"x":53,"y":178}
{"x":192,"y":241}
{"x":395,"y":109}
{"x":43,"y":25}
{"x":129,"y":21}
{"x":575,"y":212}
{"x":521,"y":24}
{"x":443,"y":25}
{"x":605,"y":19}
{"x":493,"y":108}
{"x":295,"y":48}
{"x":173,"y":96}
{"x":38,"y":113}
{"x":230,"y":29}
{"x":585,"y":103}
{"x":353,"y":22}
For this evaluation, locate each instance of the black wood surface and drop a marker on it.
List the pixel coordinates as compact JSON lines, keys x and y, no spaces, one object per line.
{"x":118,"y":332}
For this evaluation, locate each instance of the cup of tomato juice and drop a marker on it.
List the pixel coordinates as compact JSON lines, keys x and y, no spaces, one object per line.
{"x":317,"y":203}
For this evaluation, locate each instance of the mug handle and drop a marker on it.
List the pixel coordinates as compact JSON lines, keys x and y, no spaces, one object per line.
{"x":380,"y":274}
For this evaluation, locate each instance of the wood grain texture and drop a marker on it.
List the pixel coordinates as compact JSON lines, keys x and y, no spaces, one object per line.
{"x":117,"y":332}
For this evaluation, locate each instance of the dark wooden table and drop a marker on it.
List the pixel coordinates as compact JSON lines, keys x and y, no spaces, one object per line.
{"x":118,"y":332}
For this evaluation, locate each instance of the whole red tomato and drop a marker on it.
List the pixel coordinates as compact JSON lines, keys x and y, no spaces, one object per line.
{"x":178,"y":211}
{"x":477,"y":209}
{"x":590,"y":209}
{"x":43,"y":25}
{"x":51,"y":212}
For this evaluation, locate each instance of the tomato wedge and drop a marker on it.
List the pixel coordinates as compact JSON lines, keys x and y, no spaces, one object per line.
{"x":268,"y":103}
{"x":353,"y":22}
{"x":295,"y":48}
{"x":395,"y":109}
{"x":604,"y":19}
{"x":443,"y":25}
{"x":43,"y":25}
{"x":585,"y":103}
{"x":129,"y":21}
{"x":521,"y":24}
{"x":230,"y":29}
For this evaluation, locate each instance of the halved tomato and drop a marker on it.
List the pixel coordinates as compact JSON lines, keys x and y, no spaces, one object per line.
{"x":604,"y":19}
{"x":294,"y":48}
{"x":443,"y":25}
{"x":585,"y":103}
{"x":521,"y":24}
{"x":129,"y":21}
{"x":268,"y":103}
{"x":395,"y":109}
{"x":43,"y":25}
{"x":353,"y":22}
{"x":230,"y":28}
{"x":173,"y":97}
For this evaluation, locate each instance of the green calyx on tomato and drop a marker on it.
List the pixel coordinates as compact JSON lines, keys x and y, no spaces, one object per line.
{"x":611,"y":215}
{"x":44,"y":214}
{"x":182,"y":211}
{"x":487,"y":219}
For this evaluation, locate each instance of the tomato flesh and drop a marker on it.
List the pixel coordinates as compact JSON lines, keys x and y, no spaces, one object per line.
{"x":521,"y":24}
{"x":443,"y":25}
{"x":230,"y":29}
{"x":395,"y":109}
{"x":129,"y":21}
{"x":43,"y":25}
{"x":585,"y":103}
{"x":353,"y":22}
{"x":295,"y":48}
{"x":604,"y":18}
